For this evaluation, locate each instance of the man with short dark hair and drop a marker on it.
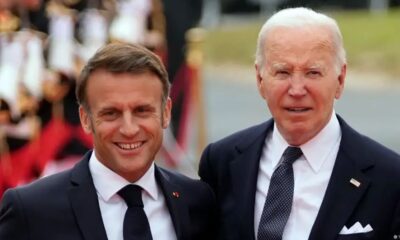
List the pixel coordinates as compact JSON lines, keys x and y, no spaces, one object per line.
{"x":116,"y":191}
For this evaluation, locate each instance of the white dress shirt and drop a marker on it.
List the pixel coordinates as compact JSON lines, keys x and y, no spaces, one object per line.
{"x":312,"y":172}
{"x":113,"y":207}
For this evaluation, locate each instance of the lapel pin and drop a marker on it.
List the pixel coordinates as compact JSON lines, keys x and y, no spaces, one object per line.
{"x":175,"y":194}
{"x":355,"y":182}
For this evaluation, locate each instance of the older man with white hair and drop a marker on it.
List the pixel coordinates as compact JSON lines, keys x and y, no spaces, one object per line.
{"x":305,"y":173}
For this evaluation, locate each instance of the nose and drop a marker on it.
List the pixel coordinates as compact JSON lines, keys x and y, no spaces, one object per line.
{"x":129,"y":127}
{"x":297,"y":86}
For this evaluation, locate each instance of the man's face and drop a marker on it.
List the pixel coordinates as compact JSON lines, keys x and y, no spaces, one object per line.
{"x":126,"y":119}
{"x":299,"y":80}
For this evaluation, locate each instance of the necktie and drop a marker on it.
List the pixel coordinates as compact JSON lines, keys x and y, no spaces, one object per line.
{"x":278,"y":203}
{"x":136,"y":226}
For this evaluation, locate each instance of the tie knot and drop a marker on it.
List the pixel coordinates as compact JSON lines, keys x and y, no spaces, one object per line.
{"x":132,"y":195}
{"x":291,"y":154}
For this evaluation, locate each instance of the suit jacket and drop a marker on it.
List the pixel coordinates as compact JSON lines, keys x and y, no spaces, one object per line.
{"x":231,"y":165}
{"x":65,"y":206}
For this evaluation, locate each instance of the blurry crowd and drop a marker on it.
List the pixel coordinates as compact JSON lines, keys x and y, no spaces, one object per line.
{"x":43,"y":46}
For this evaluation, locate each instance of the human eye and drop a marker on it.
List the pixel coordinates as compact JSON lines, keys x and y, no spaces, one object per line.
{"x":282,"y":74}
{"x":314,"y":74}
{"x":144,"y":111}
{"x":109,"y":114}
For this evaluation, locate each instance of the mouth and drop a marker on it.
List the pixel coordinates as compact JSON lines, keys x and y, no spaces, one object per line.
{"x":297,"y":109}
{"x":130,"y":146}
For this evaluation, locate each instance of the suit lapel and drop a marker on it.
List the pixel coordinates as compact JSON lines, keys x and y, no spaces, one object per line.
{"x":84,"y":202}
{"x":175,"y":202}
{"x":343,"y":194}
{"x":244,"y":173}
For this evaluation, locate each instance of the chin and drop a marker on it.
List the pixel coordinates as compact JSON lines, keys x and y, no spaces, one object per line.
{"x":298,"y":136}
{"x":297,"y":129}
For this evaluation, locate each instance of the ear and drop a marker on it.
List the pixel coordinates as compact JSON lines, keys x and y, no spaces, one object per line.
{"x":85,"y":120}
{"x":341,"y":80}
{"x":167,"y":113}
{"x":260,"y":80}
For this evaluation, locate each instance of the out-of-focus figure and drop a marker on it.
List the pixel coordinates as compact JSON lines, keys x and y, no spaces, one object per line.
{"x":22,"y":73}
{"x":180,"y":15}
{"x":43,"y":46}
{"x":139,"y":21}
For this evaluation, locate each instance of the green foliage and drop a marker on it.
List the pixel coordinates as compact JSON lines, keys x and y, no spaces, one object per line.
{"x":372,"y":41}
{"x":232,"y":44}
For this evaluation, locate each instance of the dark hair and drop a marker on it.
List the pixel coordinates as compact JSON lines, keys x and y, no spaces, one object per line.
{"x":4,"y":106}
{"x":122,"y":58}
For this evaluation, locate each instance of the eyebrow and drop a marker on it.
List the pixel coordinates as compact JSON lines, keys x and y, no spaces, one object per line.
{"x":278,"y":65}
{"x":106,"y":109}
{"x":146,"y":105}
{"x":317,"y":66}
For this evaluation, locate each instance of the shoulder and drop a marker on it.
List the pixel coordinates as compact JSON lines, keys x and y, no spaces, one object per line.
{"x":194,"y":188}
{"x":376,"y":149}
{"x":216,"y":156}
{"x":385,"y":158}
{"x":243,"y":137}
{"x":22,"y":203}
{"x":181,"y":180}
{"x":194,"y":197}
{"x":51,"y":189}
{"x":368,"y":150}
{"x":37,"y":191}
{"x":225,"y":150}
{"x":57,"y":183}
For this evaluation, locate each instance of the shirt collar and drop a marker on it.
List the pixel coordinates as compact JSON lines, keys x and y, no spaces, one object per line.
{"x":317,"y":149}
{"x":108,"y":183}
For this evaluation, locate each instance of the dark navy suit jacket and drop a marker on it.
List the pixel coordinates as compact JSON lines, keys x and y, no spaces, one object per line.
{"x":65,"y":206}
{"x":231,"y":165}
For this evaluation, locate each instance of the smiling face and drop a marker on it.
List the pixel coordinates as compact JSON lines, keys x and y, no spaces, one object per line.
{"x":126,"y":119}
{"x":300,"y":81}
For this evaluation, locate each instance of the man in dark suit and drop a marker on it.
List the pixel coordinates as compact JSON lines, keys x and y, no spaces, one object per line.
{"x":305,"y":174}
{"x":123,"y":96}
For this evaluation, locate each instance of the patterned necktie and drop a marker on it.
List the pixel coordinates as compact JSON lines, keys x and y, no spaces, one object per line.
{"x":278,"y":203}
{"x":136,"y":226}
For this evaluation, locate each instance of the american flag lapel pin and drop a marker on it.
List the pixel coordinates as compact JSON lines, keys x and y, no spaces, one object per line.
{"x":355,"y":182}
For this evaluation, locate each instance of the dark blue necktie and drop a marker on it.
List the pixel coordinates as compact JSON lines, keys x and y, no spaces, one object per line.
{"x":136,"y":226}
{"x":278,"y":203}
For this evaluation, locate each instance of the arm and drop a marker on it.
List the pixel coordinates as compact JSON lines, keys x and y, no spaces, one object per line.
{"x":395,"y":228}
{"x":12,"y":221}
{"x":207,"y":175}
{"x":206,"y":172}
{"x":210,"y":209}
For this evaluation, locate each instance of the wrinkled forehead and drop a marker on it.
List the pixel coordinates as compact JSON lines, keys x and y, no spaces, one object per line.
{"x":301,"y":47}
{"x":301,"y":37}
{"x":298,"y":41}
{"x":310,"y":64}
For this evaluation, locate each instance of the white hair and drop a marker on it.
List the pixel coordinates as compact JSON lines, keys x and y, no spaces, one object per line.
{"x":301,"y":17}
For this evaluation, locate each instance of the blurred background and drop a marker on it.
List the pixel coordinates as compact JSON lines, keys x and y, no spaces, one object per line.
{"x":208,"y":47}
